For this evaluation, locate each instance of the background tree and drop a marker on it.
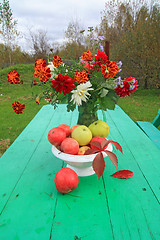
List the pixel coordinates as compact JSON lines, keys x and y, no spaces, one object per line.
{"x":40,"y":44}
{"x":134,"y":36}
{"x":73,"y":32}
{"x":8,"y":32}
{"x":74,"y":41}
{"x":18,"y":56}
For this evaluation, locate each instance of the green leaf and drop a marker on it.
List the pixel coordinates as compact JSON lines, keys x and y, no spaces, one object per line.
{"x":108,"y":101}
{"x":103,"y":92}
{"x":70,"y":105}
{"x":63,"y":98}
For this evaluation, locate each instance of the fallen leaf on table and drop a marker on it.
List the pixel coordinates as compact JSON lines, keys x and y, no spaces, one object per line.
{"x":123,"y":174}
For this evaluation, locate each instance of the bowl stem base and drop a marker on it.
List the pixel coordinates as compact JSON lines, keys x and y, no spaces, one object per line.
{"x":82,"y":172}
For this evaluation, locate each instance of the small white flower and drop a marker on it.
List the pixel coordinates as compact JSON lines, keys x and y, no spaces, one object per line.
{"x":81,"y":94}
{"x":52,"y":68}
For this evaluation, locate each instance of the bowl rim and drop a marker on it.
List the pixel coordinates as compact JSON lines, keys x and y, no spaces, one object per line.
{"x":78,"y":158}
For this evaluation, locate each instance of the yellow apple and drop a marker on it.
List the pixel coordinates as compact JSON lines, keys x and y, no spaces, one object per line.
{"x":82,"y":135}
{"x":99,"y":128}
{"x":73,"y":127}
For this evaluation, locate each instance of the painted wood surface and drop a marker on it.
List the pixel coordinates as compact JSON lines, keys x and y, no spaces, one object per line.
{"x":152,"y":132}
{"x":109,"y":208}
{"x":156,"y":121}
{"x":151,"y":129}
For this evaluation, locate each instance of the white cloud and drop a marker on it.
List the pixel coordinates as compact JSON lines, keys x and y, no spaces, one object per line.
{"x":54,"y":16}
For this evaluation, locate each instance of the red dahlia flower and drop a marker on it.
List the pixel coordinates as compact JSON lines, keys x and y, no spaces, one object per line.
{"x":110,"y":69}
{"x":124,"y":90}
{"x":63,"y":84}
{"x":17,"y":107}
{"x":128,"y":86}
{"x":133,"y":83}
{"x":13,"y":77}
{"x":101,"y":57}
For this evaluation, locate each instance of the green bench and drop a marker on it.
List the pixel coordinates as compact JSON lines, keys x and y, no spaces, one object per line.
{"x":151,"y":129}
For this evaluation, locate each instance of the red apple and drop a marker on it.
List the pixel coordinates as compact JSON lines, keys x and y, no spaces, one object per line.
{"x":56,"y":136}
{"x":66,"y":128}
{"x":70,"y":146}
{"x":96,"y":139}
{"x":66,"y":180}
{"x":73,"y":127}
{"x":82,"y":150}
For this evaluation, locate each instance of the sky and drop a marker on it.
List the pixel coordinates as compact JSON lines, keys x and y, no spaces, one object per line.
{"x":53,"y":16}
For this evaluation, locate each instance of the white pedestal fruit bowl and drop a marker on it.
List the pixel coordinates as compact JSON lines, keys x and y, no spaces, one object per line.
{"x":81,"y":164}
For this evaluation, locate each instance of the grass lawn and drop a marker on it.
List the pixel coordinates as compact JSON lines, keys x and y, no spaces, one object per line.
{"x":142,"y":105}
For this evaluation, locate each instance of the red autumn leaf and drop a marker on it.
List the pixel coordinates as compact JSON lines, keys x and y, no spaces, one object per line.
{"x":90,"y":151}
{"x":97,"y":145}
{"x":113,"y":158}
{"x":123,"y":174}
{"x":117,"y":145}
{"x":98,"y":164}
{"x":104,"y":144}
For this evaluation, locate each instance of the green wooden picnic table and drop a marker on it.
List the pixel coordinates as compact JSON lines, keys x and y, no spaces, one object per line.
{"x":106,"y":209}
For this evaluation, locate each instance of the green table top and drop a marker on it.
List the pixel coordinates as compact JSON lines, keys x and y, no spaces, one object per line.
{"x":106,"y":209}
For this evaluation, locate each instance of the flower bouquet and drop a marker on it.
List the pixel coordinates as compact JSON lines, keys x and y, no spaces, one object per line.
{"x":91,"y":83}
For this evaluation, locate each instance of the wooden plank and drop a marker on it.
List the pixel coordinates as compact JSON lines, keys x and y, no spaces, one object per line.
{"x":15,"y":159}
{"x":134,"y":204}
{"x":83,"y":214}
{"x":156,"y":121}
{"x":152,"y":132}
{"x":28,"y":207}
{"x":139,"y":145}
